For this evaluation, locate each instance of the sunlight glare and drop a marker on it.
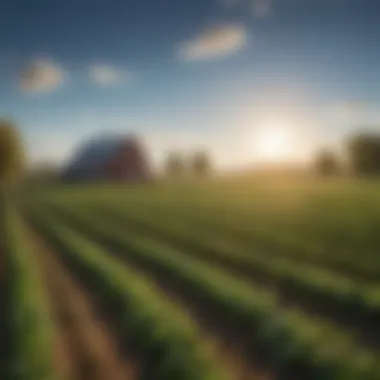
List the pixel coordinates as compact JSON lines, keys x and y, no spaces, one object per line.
{"x":273,"y":144}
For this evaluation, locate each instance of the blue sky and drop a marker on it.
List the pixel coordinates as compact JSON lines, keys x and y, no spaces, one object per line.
{"x":188,"y":73}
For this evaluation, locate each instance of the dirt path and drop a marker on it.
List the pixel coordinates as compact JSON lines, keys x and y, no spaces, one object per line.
{"x":86,"y":348}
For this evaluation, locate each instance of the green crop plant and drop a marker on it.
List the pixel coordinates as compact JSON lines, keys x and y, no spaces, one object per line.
{"x":294,"y":344}
{"x":357,"y":302}
{"x":167,"y":340}
{"x":29,"y":328}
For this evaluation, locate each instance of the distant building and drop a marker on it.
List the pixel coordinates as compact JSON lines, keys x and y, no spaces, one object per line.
{"x":120,"y":159}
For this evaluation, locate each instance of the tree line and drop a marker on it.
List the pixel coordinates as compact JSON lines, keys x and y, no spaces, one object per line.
{"x":198,"y":164}
{"x":362,"y":158}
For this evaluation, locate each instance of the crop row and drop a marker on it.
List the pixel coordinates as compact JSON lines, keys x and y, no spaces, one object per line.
{"x":28,"y":327}
{"x":339,"y":294}
{"x":166,"y":339}
{"x":274,"y":241}
{"x":293,"y":343}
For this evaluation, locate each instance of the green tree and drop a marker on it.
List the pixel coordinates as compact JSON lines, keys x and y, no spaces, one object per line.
{"x":175,"y":165}
{"x":201,"y":164}
{"x":11,"y":165}
{"x":326,"y":163}
{"x":11,"y":154}
{"x":364,"y":154}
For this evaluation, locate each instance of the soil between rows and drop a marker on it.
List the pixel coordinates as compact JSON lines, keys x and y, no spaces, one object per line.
{"x":226,"y":345}
{"x":86,"y":346}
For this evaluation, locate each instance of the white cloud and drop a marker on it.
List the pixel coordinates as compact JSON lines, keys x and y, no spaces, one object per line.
{"x":106,"y":75}
{"x":262,"y":8}
{"x":41,"y":75}
{"x":214,"y":42}
{"x":259,"y":8}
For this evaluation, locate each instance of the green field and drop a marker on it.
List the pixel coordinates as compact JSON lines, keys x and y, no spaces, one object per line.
{"x":224,"y":280}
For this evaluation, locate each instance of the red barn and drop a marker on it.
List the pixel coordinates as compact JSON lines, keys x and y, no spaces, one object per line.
{"x":110,"y":159}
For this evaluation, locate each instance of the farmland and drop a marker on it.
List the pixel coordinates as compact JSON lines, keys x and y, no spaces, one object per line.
{"x":237,"y":280}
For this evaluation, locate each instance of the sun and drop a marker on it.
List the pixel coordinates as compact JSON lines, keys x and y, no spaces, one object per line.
{"x":273,"y":144}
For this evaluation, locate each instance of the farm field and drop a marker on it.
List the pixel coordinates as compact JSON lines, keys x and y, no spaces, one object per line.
{"x":223,"y":280}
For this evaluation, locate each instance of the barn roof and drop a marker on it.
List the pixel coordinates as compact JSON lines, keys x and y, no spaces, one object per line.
{"x":97,"y":151}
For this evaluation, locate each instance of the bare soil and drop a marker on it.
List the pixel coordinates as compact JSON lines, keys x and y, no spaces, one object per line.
{"x":86,"y":346}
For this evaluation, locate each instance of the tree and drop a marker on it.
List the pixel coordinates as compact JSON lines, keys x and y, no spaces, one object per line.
{"x":201,"y":164}
{"x":326,"y":163}
{"x":364,"y":154}
{"x":175,"y":165}
{"x":11,"y":165}
{"x":11,"y":154}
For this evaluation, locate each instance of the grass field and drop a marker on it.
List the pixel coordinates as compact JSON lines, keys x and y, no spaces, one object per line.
{"x":223,"y":280}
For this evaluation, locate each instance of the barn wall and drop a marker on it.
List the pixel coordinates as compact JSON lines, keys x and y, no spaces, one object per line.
{"x":128,"y":164}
